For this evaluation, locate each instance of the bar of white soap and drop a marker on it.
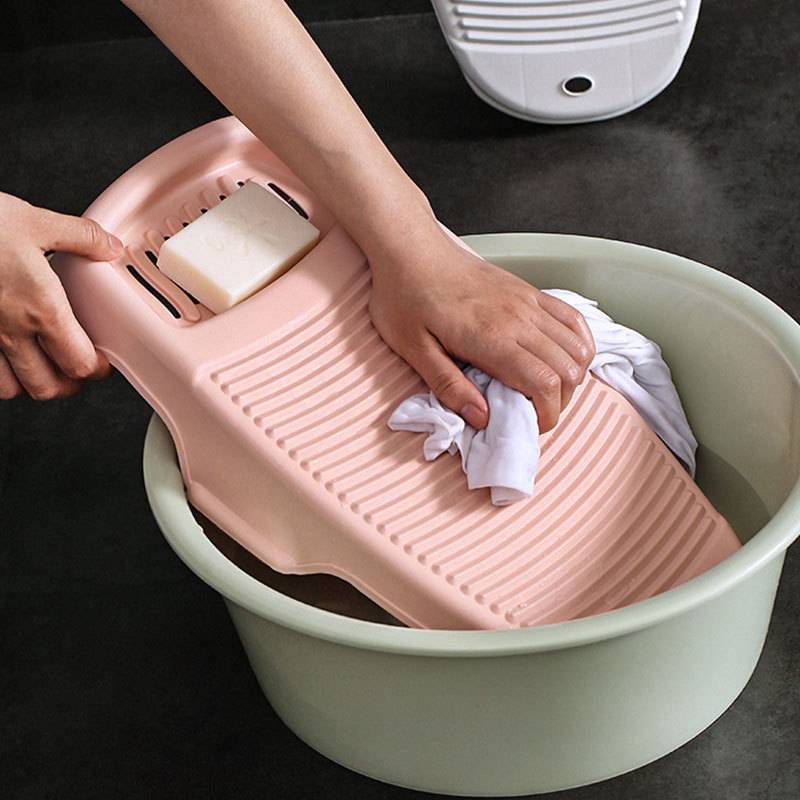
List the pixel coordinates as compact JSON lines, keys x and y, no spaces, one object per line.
{"x":237,"y":247}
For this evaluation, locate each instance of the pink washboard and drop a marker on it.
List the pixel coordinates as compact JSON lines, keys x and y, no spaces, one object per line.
{"x":278,"y":409}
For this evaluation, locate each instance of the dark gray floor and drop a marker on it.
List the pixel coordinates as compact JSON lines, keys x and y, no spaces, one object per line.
{"x":120,"y":674}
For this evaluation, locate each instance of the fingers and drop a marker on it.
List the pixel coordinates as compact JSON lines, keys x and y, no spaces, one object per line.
{"x":68,"y":345}
{"x":79,"y":235}
{"x":564,"y":350}
{"x":36,"y":373}
{"x":9,"y":385}
{"x":575,"y":321}
{"x":43,"y":349}
{"x":569,"y":372}
{"x":576,"y":347}
{"x":448,"y":383}
{"x":562,"y":340}
{"x":520,"y":369}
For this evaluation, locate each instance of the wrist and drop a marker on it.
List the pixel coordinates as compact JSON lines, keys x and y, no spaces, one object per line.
{"x":398,"y":231}
{"x":379,"y":205}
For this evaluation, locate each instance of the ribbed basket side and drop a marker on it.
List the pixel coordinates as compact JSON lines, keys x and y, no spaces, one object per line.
{"x":543,"y":23}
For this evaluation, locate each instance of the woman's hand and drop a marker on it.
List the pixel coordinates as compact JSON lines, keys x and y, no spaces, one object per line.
{"x":43,"y":349}
{"x":438,"y":302}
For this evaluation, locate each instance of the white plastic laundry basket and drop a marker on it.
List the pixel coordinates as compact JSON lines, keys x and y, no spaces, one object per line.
{"x":569,"y":60}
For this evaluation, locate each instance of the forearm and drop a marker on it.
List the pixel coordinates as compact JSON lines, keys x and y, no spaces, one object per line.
{"x":257,"y":58}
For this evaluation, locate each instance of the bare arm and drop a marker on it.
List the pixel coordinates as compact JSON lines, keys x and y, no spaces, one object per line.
{"x":256,"y":57}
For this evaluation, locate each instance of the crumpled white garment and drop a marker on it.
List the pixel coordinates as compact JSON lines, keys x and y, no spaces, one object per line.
{"x":504,"y":455}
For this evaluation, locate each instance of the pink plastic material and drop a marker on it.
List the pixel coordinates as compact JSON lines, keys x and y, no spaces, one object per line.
{"x":278,"y":409}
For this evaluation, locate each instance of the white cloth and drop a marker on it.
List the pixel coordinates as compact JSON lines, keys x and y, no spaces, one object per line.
{"x":504,"y":455}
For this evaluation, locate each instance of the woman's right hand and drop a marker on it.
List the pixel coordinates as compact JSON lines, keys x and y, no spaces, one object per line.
{"x":43,"y":349}
{"x":434,"y":302}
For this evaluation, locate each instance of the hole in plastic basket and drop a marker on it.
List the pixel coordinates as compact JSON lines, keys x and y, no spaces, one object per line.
{"x":289,"y":199}
{"x":153,"y":291}
{"x":152,"y":256}
{"x":580,"y":84}
{"x":240,"y":183}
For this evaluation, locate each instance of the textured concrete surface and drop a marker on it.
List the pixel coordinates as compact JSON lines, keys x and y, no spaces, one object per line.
{"x":120,"y":674}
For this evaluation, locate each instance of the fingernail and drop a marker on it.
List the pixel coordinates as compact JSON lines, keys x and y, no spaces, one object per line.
{"x":472,"y":415}
{"x":114,"y":243}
